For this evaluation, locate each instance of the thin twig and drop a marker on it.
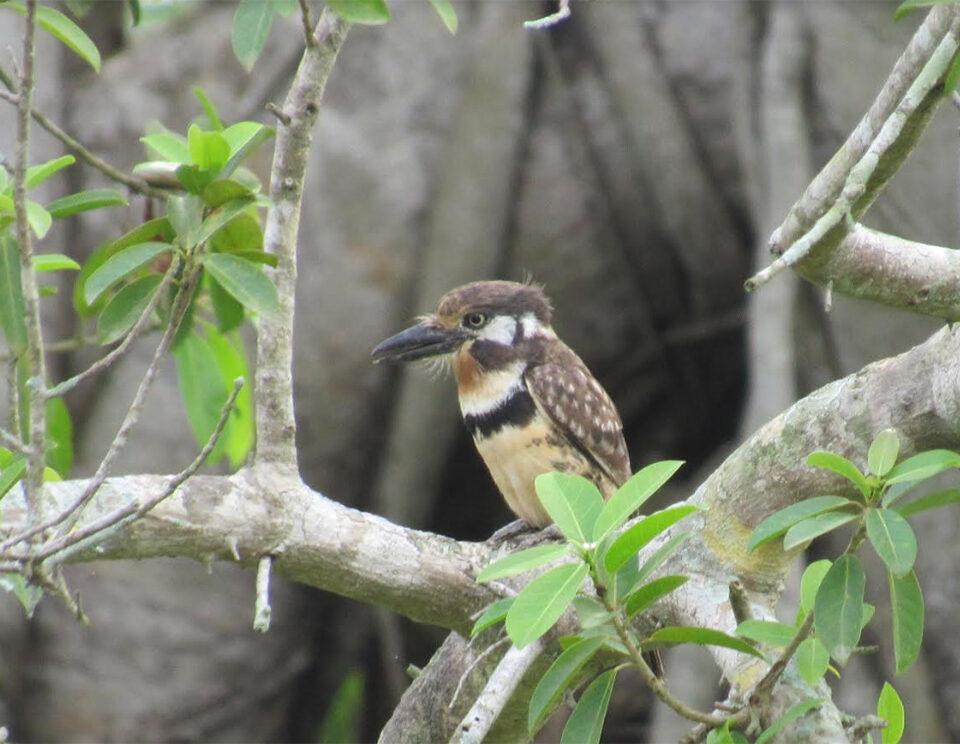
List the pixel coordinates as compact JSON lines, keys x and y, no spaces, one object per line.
{"x":308,"y":36}
{"x":80,"y":539}
{"x":561,"y":14}
{"x":62,"y":346}
{"x":473,"y":665}
{"x":62,"y":388}
{"x":262,"y":610}
{"x":14,"y":443}
{"x":36,"y":428}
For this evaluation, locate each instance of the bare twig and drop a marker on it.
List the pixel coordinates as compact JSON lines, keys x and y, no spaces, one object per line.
{"x":561,"y":14}
{"x":473,"y":665}
{"x":62,"y":388}
{"x":262,"y":610}
{"x":14,"y":443}
{"x":476,"y":724}
{"x":308,"y":36}
{"x":36,"y":428}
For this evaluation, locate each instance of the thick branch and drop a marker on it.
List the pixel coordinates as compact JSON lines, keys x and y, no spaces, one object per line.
{"x":276,"y":429}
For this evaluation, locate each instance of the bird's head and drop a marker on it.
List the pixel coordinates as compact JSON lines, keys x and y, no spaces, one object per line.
{"x":495,"y":315}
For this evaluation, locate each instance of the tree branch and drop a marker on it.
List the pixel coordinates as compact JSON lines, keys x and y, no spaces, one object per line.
{"x":276,"y":428}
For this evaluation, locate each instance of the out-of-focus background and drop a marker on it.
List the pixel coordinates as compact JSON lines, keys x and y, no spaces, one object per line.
{"x":633,"y":160}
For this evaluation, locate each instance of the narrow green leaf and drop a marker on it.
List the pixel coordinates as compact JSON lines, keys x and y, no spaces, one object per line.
{"x":810,"y":583}
{"x":228,"y":311}
{"x":85,"y":201}
{"x":629,"y":543}
{"x":590,"y":611}
{"x":585,"y":724}
{"x":223,"y":190}
{"x":369,"y":12}
{"x":522,"y":561}
{"x":219,"y":218}
{"x":119,"y":265}
{"x":59,"y":454}
{"x":494,"y":614}
{"x":890,"y":708}
{"x":38,"y":218}
{"x":168,"y":146}
{"x":838,"y":608}
{"x":58,"y":25}
{"x":541,"y":602}
{"x":241,"y":236}
{"x":201,"y":385}
{"x":237,"y":438}
{"x":672,"y":635}
{"x":767,"y":631}
{"x":259,"y":257}
{"x":647,"y":594}
{"x":12,"y":309}
{"x":572,"y":502}
{"x":558,"y":678}
{"x":209,"y":151}
{"x":791,"y":715}
{"x":909,"y":5}
{"x":952,"y":76}
{"x":37,"y":174}
{"x":11,"y":475}
{"x":893,"y":539}
{"x":923,"y":465}
{"x":812,"y":660}
{"x":662,"y":553}
{"x":213,"y":118}
{"x":447,"y":14}
{"x":125,"y":307}
{"x":841,"y":466}
{"x":251,"y":27}
{"x":807,"y":530}
{"x":906,"y":608}
{"x":781,"y":521}
{"x":53,"y":262}
{"x":244,"y":138}
{"x":244,"y":280}
{"x":632,"y":495}
{"x":930,"y":501}
{"x":883,"y":452}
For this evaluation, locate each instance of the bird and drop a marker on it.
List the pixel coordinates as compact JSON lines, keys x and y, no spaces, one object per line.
{"x":529,"y":402}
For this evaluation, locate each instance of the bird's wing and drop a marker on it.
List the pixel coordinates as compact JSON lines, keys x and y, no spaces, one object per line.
{"x":575,"y":402}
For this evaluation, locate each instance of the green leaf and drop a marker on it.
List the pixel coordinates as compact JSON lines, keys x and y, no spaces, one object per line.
{"x":28,"y":594}
{"x":781,"y":521}
{"x":267,"y":259}
{"x":662,"y":553}
{"x":237,"y":438}
{"x":767,"y":631}
{"x":838,"y":608}
{"x":39,"y":218}
{"x":168,"y":146}
{"x":251,"y":27}
{"x":841,"y":466}
{"x":209,"y":151}
{"x":930,"y":501}
{"x":242,"y":237}
{"x":37,"y":174}
{"x":890,"y":708}
{"x":53,"y":262}
{"x":923,"y":465}
{"x":342,"y":721}
{"x":244,"y":280}
{"x":494,"y":614}
{"x":590,"y":611}
{"x":119,"y":265}
{"x":893,"y":539}
{"x":906,"y":608}
{"x":629,"y":543}
{"x":84,"y":201}
{"x":223,"y":190}
{"x":883,"y":452}
{"x":59,"y":455}
{"x":244,"y":138}
{"x":11,"y":474}
{"x":228,"y":311}
{"x":125,"y":308}
{"x":447,"y":14}
{"x":724,"y":735}
{"x":213,"y":118}
{"x":201,"y":384}
{"x":812,"y":660}
{"x":522,"y":561}
{"x":58,"y":25}
{"x":541,"y":602}
{"x":673,"y":634}
{"x":791,"y":715}
{"x":12,"y":309}
{"x":810,"y":583}
{"x":572,"y":502}
{"x":908,"y":5}
{"x":632,"y":495}
{"x":952,"y":76}
{"x":809,"y":529}
{"x":586,"y":721}
{"x":558,"y":678}
{"x":647,"y":594}
{"x":219,"y":218}
{"x":369,"y":12}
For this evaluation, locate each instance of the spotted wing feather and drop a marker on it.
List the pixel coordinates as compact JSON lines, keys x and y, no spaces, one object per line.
{"x":580,"y":408}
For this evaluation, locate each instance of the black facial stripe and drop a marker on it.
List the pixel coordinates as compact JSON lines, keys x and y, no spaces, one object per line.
{"x":517,"y":410}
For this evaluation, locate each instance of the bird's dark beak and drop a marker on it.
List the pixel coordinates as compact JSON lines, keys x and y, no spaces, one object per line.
{"x":419,"y":342}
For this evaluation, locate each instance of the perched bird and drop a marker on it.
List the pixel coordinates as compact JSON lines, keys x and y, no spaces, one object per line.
{"x":527,"y":399}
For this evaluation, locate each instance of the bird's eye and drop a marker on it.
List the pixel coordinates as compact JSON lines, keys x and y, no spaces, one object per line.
{"x":475,"y":320}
